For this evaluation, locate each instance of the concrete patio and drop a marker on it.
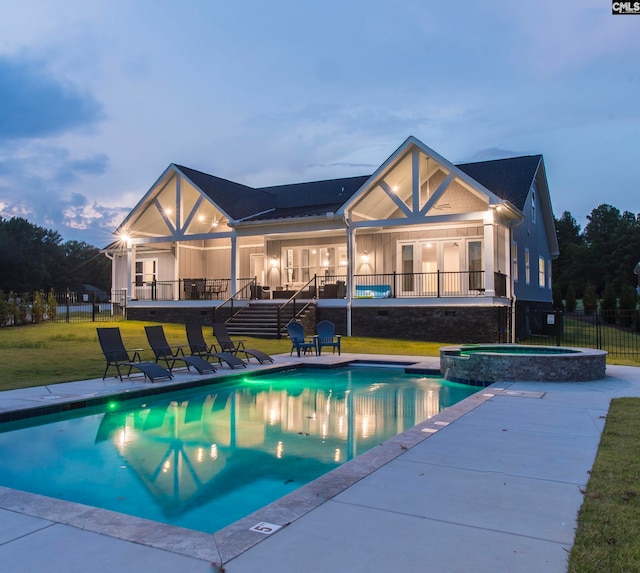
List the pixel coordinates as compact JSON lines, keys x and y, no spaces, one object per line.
{"x":491,"y":484}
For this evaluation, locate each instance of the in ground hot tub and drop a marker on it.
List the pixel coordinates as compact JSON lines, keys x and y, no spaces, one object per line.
{"x":484,"y":364}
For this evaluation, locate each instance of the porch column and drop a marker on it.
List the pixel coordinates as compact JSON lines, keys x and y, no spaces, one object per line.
{"x":131,"y":261}
{"x":234,"y":262}
{"x":489,"y":254}
{"x":176,"y":270}
{"x":350,"y":262}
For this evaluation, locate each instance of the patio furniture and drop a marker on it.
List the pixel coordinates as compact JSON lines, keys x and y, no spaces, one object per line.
{"x":117,"y":355}
{"x":200,"y":348}
{"x":326,"y":336}
{"x":172,"y":354}
{"x":217,"y":287}
{"x":234,"y":346}
{"x":295,"y":330}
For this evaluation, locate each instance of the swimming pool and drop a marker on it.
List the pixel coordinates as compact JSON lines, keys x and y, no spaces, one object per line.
{"x":203,"y":458}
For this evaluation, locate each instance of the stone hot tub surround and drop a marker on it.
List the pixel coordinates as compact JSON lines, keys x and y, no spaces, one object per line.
{"x":484,"y":364}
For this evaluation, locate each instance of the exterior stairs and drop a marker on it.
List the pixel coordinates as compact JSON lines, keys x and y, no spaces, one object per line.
{"x":260,"y":318}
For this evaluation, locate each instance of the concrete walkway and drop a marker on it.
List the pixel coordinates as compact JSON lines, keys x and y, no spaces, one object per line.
{"x":491,"y":484}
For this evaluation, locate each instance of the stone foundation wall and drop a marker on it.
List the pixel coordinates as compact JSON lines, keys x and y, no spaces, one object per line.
{"x":174,"y":315}
{"x":439,"y":324}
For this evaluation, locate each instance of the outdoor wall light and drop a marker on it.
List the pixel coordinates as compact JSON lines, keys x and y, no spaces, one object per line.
{"x":364,"y":258}
{"x":274,"y":261}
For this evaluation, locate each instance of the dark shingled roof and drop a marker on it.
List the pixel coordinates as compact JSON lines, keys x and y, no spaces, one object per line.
{"x":237,"y":200}
{"x":312,"y":198}
{"x":509,"y":179}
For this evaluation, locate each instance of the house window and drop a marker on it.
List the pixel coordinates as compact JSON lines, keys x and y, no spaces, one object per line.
{"x":533,"y":206}
{"x":145,"y":271}
{"x":407,"y":268}
{"x":542,"y":266}
{"x":476,"y":281}
{"x":527,"y":267}
{"x":290,"y":270}
{"x":549,"y":275}
{"x":301,"y":264}
{"x":514,"y":258}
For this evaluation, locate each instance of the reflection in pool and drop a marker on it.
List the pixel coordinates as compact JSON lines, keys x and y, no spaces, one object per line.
{"x":204,"y":458}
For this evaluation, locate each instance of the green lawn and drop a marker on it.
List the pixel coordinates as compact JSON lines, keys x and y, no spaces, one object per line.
{"x":608,"y":523}
{"x":62,"y":352}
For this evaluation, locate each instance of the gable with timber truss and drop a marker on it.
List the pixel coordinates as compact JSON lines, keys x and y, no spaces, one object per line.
{"x":416,"y":185}
{"x":174,"y":209}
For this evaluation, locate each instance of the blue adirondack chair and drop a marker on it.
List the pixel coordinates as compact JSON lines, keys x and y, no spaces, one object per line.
{"x":298,"y":340}
{"x":327,"y":336}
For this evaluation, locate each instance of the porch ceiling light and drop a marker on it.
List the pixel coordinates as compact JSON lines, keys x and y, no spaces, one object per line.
{"x":125,"y":239}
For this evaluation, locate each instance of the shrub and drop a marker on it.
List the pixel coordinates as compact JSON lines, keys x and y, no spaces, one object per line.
{"x":4,"y":309}
{"x":628,"y":303}
{"x":38,"y":307}
{"x":609,"y":304}
{"x":557,"y":297}
{"x":52,"y":306}
{"x":571,"y":302}
{"x":590,"y":299}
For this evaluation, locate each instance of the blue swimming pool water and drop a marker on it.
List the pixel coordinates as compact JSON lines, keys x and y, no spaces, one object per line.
{"x":204,"y":458}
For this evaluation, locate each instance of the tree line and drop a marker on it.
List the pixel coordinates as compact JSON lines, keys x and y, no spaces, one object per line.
{"x":597,"y":263}
{"x":33,"y":258}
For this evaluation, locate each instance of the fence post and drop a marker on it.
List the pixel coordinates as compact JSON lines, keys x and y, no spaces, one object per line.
{"x":67,"y":296}
{"x":438,"y":282}
{"x":395,"y":284}
{"x":92,"y":296}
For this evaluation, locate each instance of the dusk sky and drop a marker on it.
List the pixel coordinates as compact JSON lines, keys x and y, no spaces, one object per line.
{"x":99,"y":97}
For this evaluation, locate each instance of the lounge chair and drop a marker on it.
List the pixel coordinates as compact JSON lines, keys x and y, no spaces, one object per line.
{"x":172,"y":354}
{"x":236,"y":346}
{"x":117,"y":355}
{"x":298,"y":340}
{"x":326,"y":336}
{"x":200,"y":348}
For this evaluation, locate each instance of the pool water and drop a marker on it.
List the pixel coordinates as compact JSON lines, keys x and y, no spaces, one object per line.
{"x":204,"y":458}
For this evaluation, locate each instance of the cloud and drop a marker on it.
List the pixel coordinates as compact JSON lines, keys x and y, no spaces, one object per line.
{"x":39,"y":181}
{"x":37,"y":105}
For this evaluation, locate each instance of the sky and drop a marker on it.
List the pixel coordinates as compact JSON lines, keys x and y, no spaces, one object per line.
{"x":98,"y":98}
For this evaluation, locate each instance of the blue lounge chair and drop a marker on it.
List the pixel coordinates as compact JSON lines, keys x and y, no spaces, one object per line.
{"x":200,"y":348}
{"x":172,"y":354}
{"x":327,"y":336}
{"x":298,"y":340}
{"x":117,"y":356}
{"x":227,"y":344}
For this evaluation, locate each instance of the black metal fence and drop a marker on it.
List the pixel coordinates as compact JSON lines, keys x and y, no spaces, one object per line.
{"x":88,"y":307}
{"x":616,"y":331}
{"x":65,"y":306}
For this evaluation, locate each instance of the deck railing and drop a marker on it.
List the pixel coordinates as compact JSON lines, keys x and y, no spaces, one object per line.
{"x":381,"y":285}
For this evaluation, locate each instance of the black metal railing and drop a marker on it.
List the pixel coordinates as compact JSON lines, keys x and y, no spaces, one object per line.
{"x":183,"y":289}
{"x":227,"y":307}
{"x":381,"y":285}
{"x":616,"y":331}
{"x":299,"y":302}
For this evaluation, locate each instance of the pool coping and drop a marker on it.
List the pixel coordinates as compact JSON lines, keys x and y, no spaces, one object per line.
{"x":225,"y":544}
